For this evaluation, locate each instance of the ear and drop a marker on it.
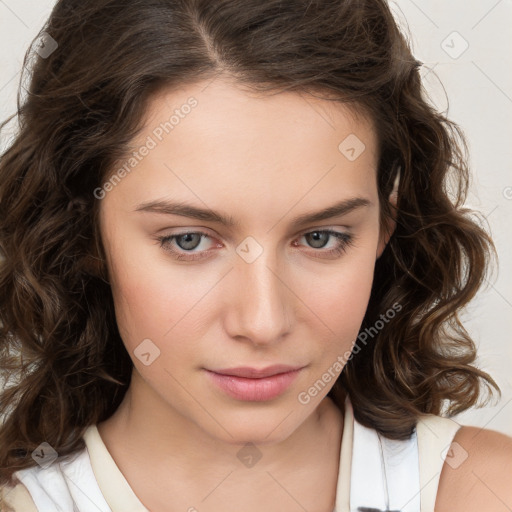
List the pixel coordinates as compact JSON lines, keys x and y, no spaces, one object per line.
{"x":390,"y":223}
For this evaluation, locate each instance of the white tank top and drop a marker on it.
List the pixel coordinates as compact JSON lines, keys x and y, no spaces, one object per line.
{"x":376,"y":474}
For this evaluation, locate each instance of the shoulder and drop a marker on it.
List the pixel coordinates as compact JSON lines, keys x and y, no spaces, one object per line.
{"x":16,"y":498}
{"x":476,"y":473}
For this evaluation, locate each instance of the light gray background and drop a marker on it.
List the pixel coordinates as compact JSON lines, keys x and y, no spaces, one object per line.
{"x":473,"y":86}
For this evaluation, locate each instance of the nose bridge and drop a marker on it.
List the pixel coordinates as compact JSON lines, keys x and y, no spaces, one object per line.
{"x":261,"y":303}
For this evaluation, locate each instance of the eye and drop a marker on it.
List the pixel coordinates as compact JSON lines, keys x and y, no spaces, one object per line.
{"x":186,"y":242}
{"x":189,"y":241}
{"x":318,"y":239}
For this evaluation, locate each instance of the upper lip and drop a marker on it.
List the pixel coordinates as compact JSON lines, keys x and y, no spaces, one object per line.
{"x":254,"y":373}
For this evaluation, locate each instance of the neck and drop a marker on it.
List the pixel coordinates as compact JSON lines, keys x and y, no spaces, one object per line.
{"x":147,"y":437}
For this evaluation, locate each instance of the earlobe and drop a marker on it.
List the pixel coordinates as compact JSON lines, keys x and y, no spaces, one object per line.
{"x":390,"y":223}
{"x":385,"y":236}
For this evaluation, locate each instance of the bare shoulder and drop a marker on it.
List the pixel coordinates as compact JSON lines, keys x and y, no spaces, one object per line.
{"x":477,"y":473}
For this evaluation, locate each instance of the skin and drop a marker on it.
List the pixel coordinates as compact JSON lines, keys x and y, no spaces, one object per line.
{"x":262,"y":160}
{"x":482,"y":481}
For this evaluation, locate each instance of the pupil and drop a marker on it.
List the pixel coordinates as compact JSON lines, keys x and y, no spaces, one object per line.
{"x":188,"y":237}
{"x":317,"y":236}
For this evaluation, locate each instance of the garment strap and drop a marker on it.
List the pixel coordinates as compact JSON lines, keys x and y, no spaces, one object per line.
{"x":385,"y":473}
{"x":435,"y":436}
{"x":399,"y":475}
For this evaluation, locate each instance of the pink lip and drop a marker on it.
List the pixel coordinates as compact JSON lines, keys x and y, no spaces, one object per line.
{"x":251,"y":384}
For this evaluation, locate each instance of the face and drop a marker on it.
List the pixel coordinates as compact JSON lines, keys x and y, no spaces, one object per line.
{"x":244,"y":277}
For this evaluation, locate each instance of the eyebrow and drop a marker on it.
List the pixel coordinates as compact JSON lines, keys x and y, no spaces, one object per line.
{"x":187,"y":210}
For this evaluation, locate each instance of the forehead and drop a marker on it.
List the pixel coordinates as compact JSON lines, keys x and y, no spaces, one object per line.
{"x":228,"y":148}
{"x":226,"y":108}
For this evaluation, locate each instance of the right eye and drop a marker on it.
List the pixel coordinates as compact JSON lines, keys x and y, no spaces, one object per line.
{"x":186,"y":242}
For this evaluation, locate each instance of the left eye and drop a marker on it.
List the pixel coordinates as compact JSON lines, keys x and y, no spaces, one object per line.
{"x":342,"y":242}
{"x":189,"y":241}
{"x":319,"y":237}
{"x":186,"y":242}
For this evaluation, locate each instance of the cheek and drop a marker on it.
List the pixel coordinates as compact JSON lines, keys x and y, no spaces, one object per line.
{"x":158,"y":299}
{"x":155,"y":299}
{"x":340,"y":298}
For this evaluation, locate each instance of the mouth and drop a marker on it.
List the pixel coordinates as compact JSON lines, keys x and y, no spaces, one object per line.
{"x":251,"y":384}
{"x":254,"y":373}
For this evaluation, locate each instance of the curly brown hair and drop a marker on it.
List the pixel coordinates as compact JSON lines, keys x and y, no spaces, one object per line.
{"x":65,"y":361}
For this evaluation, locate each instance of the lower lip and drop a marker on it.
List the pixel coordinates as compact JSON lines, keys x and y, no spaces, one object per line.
{"x":256,"y":390}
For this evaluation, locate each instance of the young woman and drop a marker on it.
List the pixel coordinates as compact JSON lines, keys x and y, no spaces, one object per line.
{"x":233,"y":268}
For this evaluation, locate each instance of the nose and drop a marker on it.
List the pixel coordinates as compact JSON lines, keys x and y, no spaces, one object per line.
{"x":261,"y":305}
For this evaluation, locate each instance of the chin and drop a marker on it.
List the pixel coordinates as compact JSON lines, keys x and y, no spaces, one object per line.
{"x":257,"y":426}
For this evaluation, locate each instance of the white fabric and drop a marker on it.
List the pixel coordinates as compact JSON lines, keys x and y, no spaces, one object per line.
{"x":435,"y":435}
{"x":385,"y":473}
{"x":65,"y":486}
{"x":92,"y":482}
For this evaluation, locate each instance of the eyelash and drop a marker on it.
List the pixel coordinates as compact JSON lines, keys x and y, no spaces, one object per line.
{"x":344,"y":241}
